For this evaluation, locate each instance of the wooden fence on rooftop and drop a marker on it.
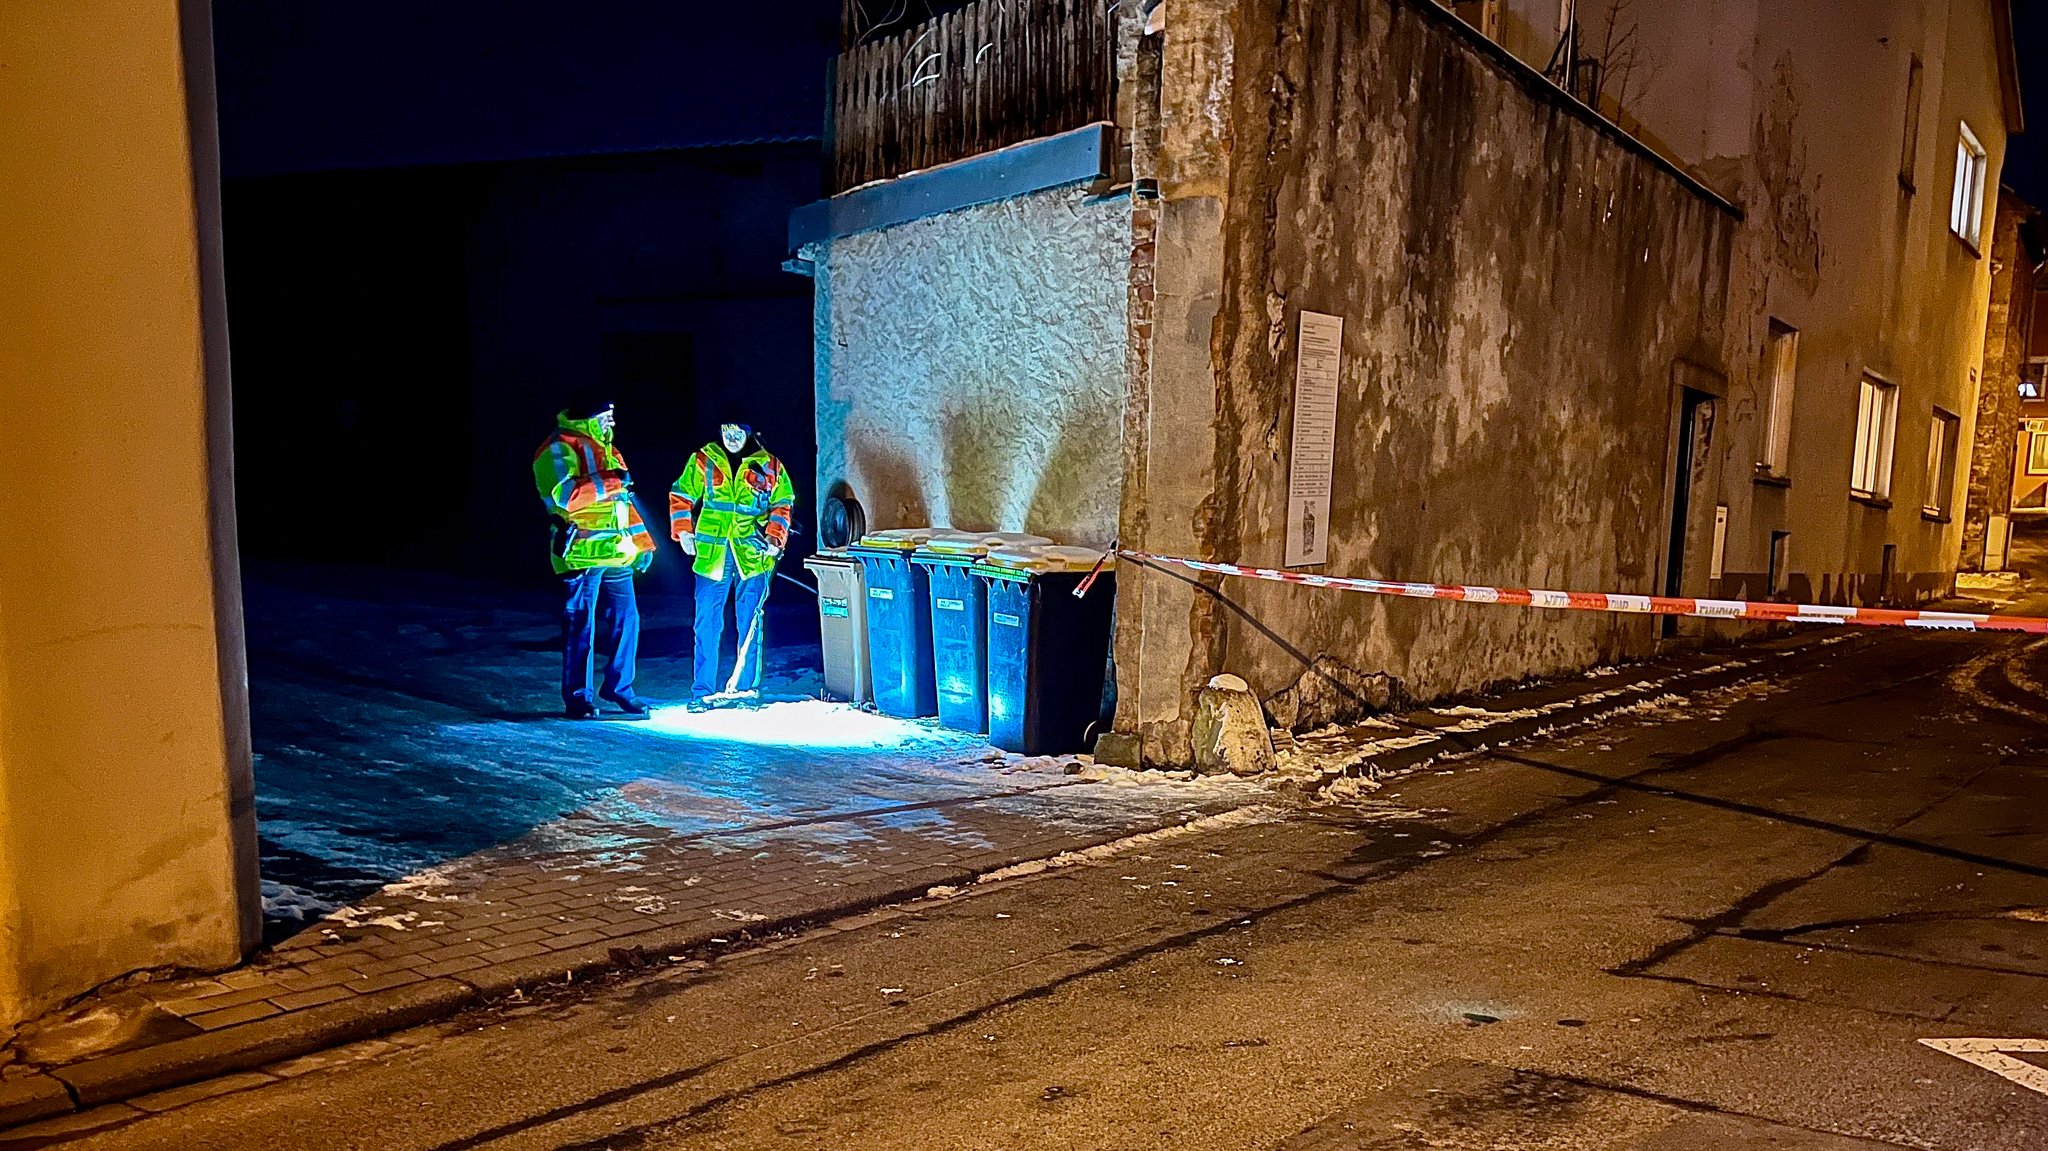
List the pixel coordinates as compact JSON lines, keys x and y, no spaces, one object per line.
{"x":992,"y":74}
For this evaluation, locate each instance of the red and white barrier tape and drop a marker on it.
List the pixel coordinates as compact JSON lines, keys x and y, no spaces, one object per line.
{"x":1627,"y":604}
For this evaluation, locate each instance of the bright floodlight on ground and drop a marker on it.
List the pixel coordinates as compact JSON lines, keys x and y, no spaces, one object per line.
{"x":798,"y":723}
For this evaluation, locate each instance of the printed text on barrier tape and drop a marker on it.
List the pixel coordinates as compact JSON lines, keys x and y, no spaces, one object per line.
{"x":1633,"y":604}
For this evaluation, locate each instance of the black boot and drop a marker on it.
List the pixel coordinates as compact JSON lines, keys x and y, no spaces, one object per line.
{"x":634,"y":706}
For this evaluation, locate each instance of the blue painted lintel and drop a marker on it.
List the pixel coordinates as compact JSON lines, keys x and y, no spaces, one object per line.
{"x":1070,"y":157}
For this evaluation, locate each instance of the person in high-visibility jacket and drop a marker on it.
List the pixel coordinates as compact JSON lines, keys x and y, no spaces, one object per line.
{"x":731,"y":510}
{"x":600,"y":542}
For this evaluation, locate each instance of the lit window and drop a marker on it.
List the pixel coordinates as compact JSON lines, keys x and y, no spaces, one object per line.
{"x":1966,"y":210}
{"x":1876,"y":417}
{"x":1941,"y":463}
{"x":1781,"y":359}
{"x":2037,"y":453}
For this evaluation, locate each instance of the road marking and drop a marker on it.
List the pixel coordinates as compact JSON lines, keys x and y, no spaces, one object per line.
{"x":1991,"y":1055}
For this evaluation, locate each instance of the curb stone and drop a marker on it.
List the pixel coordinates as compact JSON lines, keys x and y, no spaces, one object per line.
{"x":245,"y":1046}
{"x":1647,"y":682}
{"x":26,"y":1098}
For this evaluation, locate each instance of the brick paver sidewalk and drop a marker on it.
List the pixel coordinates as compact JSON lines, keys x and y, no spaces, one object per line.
{"x":567,"y":901}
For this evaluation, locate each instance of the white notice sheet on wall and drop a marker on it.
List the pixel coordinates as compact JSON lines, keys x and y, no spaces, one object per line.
{"x":1318,"y":348}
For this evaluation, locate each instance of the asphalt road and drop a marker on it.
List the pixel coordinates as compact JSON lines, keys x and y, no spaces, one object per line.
{"x":1728,"y":925}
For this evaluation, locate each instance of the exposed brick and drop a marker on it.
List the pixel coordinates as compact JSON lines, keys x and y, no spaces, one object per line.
{"x":331,"y":962}
{"x":452,"y":966}
{"x":313,"y":998}
{"x":188,"y":989}
{"x":525,"y":923}
{"x":214,"y":1020}
{"x":246,"y":977}
{"x":513,"y":954}
{"x":454,"y":951}
{"x":560,"y":942}
{"x":534,"y":936}
{"x":305,"y":981}
{"x":216,"y":1002}
{"x":381,"y":982}
{"x":387,"y":966}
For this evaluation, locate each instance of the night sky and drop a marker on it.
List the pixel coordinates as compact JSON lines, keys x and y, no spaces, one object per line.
{"x":392,"y":83}
{"x":2026,"y":158}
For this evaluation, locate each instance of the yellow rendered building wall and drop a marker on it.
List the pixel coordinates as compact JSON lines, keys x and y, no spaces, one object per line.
{"x":126,"y":829}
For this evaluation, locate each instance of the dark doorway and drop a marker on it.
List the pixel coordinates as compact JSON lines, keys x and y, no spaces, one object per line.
{"x":1690,"y":425}
{"x":652,"y":377}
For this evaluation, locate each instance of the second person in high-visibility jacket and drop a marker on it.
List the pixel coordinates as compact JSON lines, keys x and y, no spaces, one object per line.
{"x":731,"y":509}
{"x":600,"y":541}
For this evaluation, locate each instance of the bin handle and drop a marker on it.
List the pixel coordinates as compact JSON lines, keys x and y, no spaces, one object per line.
{"x":1081,"y":589}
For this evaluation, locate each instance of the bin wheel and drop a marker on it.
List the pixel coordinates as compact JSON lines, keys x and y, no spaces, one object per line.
{"x":842,"y":520}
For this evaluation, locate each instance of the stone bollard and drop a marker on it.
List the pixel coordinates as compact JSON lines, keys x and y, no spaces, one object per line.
{"x":1230,"y":730}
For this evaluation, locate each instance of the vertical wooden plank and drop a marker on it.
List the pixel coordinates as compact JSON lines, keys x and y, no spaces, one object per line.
{"x":915,"y":95}
{"x":948,"y":113}
{"x":851,"y":123}
{"x":835,"y":124}
{"x":884,"y":109}
{"x":1064,"y":82}
{"x":1034,"y":60}
{"x":970,"y":79}
{"x":893,"y":75}
{"x":1004,"y":56}
{"x":985,"y":58}
{"x":870,"y":120}
{"x":913,"y":99}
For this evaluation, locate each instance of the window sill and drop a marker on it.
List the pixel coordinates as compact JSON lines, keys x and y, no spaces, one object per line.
{"x":1879,"y":502}
{"x":1770,"y":479}
{"x":1933,"y":517}
{"x":1968,"y":244}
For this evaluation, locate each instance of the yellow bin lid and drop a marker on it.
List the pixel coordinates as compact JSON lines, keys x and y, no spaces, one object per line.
{"x":950,"y":541}
{"x":1048,"y":558}
{"x":896,"y":539}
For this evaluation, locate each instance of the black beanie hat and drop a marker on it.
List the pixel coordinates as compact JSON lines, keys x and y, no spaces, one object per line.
{"x":588,"y":401}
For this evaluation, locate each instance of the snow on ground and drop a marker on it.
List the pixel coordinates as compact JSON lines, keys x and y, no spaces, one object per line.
{"x":403,"y":722}
{"x":400,"y":721}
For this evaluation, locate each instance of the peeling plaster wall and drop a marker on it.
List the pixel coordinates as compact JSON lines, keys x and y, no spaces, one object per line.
{"x":1520,"y":291}
{"x":971,"y":366}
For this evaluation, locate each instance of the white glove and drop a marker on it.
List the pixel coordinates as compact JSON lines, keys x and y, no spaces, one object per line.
{"x":689,"y":545}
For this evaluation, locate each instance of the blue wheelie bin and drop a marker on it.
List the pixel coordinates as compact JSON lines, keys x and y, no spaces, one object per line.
{"x":1048,"y":650}
{"x":899,"y":615}
{"x":960,"y":621}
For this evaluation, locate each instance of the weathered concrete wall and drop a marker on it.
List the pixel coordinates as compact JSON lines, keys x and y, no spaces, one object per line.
{"x":1992,"y":462}
{"x":126,"y":813}
{"x":971,"y":366}
{"x":1522,"y":291}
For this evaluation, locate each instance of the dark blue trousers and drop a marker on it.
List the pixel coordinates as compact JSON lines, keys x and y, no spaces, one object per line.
{"x":600,"y":619}
{"x":712,"y":596}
